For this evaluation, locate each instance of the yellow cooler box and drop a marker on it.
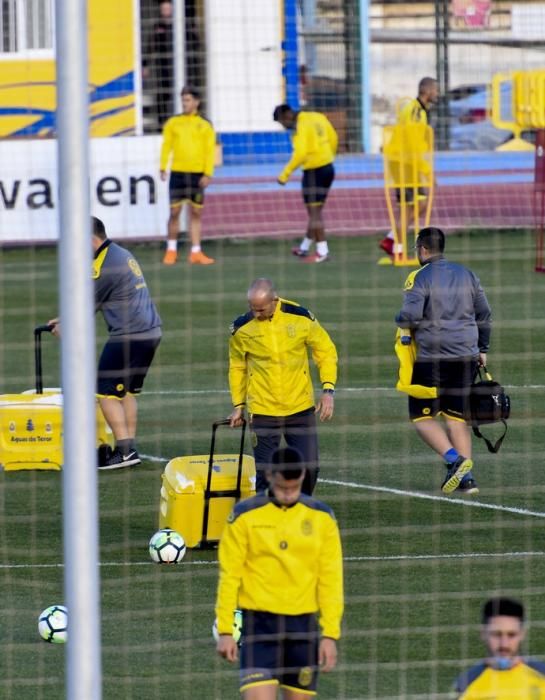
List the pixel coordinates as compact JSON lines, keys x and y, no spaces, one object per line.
{"x":199,"y":491}
{"x":31,"y":431}
{"x":31,"y":425}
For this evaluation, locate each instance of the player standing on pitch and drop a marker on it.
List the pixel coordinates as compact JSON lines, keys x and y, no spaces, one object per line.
{"x":134,"y":328}
{"x":269,"y":375}
{"x":281,"y":562}
{"x":416,"y":112}
{"x":189,"y":142}
{"x":446,"y":309}
{"x":504,"y":673}
{"x":314,"y":148}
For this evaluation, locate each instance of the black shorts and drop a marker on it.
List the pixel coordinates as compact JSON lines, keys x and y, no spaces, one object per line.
{"x":453,"y":378}
{"x":282,"y":649}
{"x":184,"y":187}
{"x":123,"y":365}
{"x":409,"y":194}
{"x":316,"y":183}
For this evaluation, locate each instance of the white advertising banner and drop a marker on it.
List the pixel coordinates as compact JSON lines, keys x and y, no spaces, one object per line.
{"x":125,"y":189}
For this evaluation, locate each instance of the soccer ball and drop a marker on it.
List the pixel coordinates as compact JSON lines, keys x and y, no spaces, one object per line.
{"x":237,"y":627}
{"x":167,"y":547}
{"x":53,"y":623}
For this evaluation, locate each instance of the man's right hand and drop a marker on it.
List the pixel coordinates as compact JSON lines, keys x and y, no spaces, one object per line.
{"x":236,"y":417}
{"x":227,"y":647}
{"x":55,"y":326}
{"x":164,"y":175}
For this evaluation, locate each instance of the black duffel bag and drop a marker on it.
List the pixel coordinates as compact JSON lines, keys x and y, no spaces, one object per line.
{"x":489,"y":404}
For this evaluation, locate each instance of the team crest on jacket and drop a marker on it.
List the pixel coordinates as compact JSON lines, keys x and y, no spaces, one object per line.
{"x":291,"y":330}
{"x":305,"y":676}
{"x":306,"y":527}
{"x":135,"y":267}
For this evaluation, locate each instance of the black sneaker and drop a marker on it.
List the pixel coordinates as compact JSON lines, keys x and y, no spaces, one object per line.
{"x":119,"y":461}
{"x":299,"y":252}
{"x":456,"y":472}
{"x":468,"y":485}
{"x":104,"y":452}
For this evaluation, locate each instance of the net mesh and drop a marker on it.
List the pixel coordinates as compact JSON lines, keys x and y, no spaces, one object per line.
{"x":418,"y":566}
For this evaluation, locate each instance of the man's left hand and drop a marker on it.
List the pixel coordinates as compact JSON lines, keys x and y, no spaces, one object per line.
{"x":325,"y":406}
{"x":204,"y":181}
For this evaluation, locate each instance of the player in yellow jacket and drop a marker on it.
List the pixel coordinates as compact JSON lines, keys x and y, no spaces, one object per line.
{"x":314,"y":148}
{"x":280,"y":562}
{"x":414,"y":111}
{"x":189,"y":146}
{"x":504,"y":675}
{"x":269,"y":374}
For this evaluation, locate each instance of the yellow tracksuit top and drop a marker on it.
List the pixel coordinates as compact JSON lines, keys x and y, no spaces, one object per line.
{"x":268,"y":360}
{"x":314,"y":143}
{"x":282,"y":560}
{"x":189,"y":142}
{"x":525,"y":681}
{"x":413,"y":112}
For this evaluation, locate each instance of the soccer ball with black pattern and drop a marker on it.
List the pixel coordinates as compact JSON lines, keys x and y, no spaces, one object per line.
{"x":237,"y":628}
{"x":167,"y":547}
{"x":53,"y":624}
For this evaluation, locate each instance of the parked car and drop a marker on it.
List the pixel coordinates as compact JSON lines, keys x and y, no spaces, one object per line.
{"x":470,"y":125}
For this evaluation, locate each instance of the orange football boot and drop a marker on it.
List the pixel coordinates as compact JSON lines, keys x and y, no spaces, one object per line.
{"x":200,"y":259}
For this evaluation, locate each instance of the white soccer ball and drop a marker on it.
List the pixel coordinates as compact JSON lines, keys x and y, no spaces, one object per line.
{"x":53,"y":623}
{"x":237,"y":627}
{"x":167,"y":547}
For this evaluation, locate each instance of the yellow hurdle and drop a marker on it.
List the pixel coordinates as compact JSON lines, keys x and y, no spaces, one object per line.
{"x":409,"y":177}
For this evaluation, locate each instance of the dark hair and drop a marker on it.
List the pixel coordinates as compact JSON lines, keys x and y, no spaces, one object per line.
{"x":287,"y":461}
{"x":502,"y":606}
{"x":281,"y":111}
{"x":431,"y":238}
{"x":97,"y":228}
{"x":190,"y":90}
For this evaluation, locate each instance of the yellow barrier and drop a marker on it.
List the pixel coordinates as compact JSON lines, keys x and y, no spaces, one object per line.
{"x":408,"y":176}
{"x":527,"y":105}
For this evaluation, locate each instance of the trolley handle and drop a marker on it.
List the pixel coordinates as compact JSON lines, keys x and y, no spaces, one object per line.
{"x":47,"y":328}
{"x":215,"y":426}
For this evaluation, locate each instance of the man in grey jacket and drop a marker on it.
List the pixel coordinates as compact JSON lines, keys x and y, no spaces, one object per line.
{"x":134,"y":333}
{"x":448,"y":314}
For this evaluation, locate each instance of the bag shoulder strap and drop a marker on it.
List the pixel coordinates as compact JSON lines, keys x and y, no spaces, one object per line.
{"x":494,"y":448}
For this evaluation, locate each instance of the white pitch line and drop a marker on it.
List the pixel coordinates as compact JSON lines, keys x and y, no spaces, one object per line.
{"x":413,"y":494}
{"x":340,"y":390}
{"x":431,"y":497}
{"x":470,"y":555}
{"x":386,"y":558}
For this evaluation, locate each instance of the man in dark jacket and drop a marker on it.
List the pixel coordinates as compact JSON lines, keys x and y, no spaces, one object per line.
{"x":134,"y":333}
{"x":448,"y":314}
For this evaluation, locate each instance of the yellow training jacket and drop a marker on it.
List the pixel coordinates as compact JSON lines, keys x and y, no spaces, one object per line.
{"x":282,"y":560}
{"x":314,"y":143}
{"x":412,"y":111}
{"x":525,"y":681}
{"x":268,"y":360}
{"x":191,"y":142}
{"x":406,"y":354}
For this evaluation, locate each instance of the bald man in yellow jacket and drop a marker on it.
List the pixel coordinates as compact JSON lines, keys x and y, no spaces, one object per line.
{"x":269,"y":376}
